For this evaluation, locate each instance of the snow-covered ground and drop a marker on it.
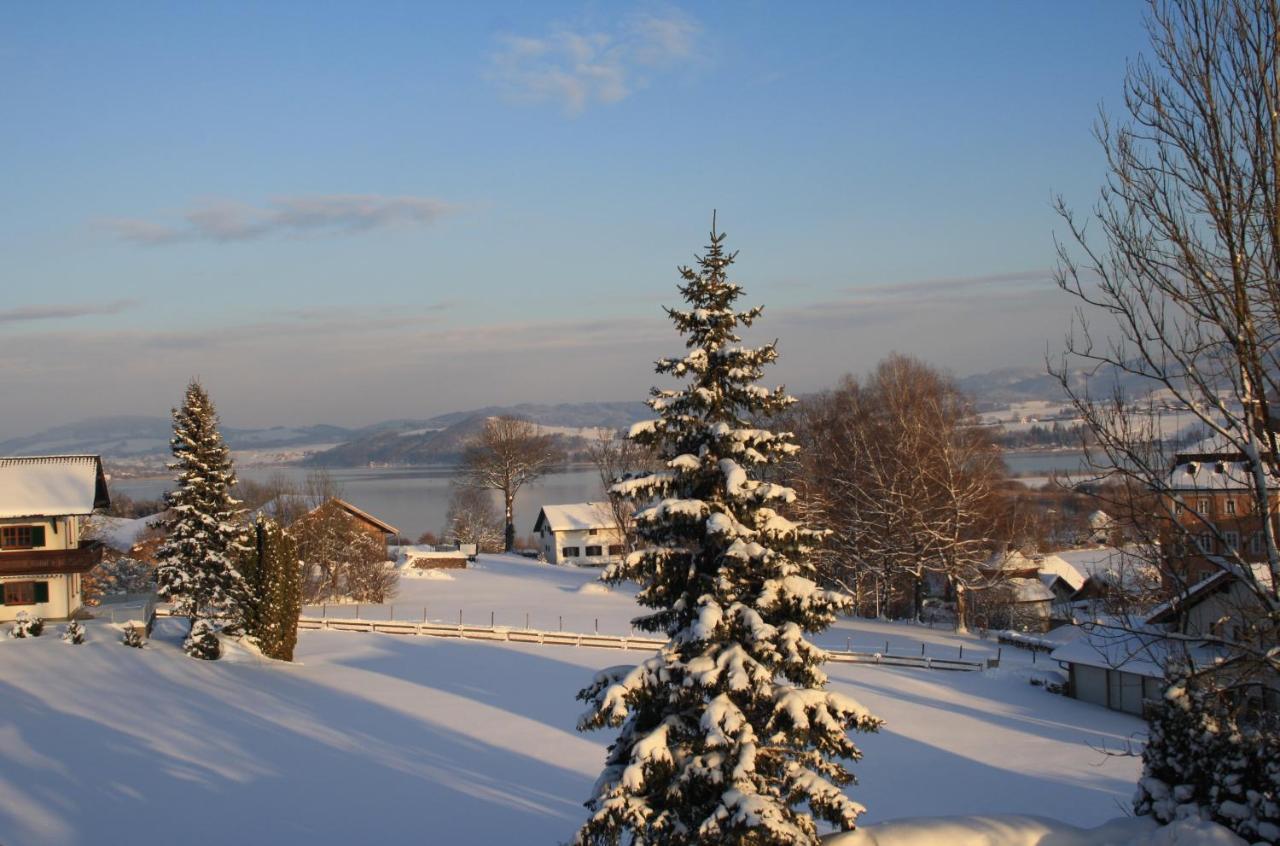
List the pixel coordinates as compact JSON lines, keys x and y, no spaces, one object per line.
{"x":373,"y":735}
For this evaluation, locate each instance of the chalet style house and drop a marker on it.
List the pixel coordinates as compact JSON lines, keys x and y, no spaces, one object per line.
{"x":291,"y":509}
{"x":584,"y":533}
{"x":44,"y":503}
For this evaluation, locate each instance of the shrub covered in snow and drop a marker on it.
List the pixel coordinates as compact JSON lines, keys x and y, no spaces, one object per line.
{"x":1203,"y":762}
{"x":727,"y":735}
{"x":24,"y":625}
{"x":74,"y":632}
{"x":202,"y":642}
{"x":132,"y":636}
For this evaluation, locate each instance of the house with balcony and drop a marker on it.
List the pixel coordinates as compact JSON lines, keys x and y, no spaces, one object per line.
{"x":582,"y":533}
{"x":45,"y":502}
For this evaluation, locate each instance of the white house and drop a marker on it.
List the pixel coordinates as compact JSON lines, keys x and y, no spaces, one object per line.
{"x":44,"y":504}
{"x":579,"y":533}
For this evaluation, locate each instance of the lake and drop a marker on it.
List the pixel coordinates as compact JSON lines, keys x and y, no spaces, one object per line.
{"x":416,"y":499}
{"x":413,"y":499}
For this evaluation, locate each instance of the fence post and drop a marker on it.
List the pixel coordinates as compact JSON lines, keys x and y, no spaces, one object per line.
{"x":391,"y":610}
{"x":962,"y":652}
{"x":921,"y":649}
{"x":424,"y":613}
{"x":886,"y":647}
{"x":1033,"y":656}
{"x":357,"y":610}
{"x":999,"y":650}
{"x":597,"y":625}
{"x":848,"y":644}
{"x":459,"y":618}
{"x":490,"y":619}
{"x":561,"y":622}
{"x":526,"y":621}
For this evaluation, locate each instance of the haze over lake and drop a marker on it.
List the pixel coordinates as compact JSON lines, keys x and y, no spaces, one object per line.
{"x":416,"y":499}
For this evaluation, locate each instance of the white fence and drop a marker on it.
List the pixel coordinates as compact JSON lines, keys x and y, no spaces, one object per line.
{"x":510,"y":635}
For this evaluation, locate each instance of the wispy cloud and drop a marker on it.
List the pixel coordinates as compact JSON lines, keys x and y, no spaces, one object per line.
{"x":226,"y":221}
{"x":26,"y":314}
{"x":1018,"y":279}
{"x":577,"y":68}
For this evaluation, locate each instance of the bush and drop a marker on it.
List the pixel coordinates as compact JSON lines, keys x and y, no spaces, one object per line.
{"x":74,"y":632}
{"x":202,"y":642}
{"x":26,"y":626}
{"x":132,"y":636}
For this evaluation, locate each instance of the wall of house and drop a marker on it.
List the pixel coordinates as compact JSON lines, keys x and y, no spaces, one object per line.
{"x":64,"y":597}
{"x":553,"y":545}
{"x":1112,"y":688}
{"x":59,"y":532}
{"x":1230,"y":512}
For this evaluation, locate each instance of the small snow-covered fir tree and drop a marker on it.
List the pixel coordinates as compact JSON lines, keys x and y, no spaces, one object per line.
{"x":24,"y":625}
{"x":74,"y":632}
{"x":727,"y":733}
{"x":204,"y":537}
{"x":132,"y":636}
{"x":203,"y":641}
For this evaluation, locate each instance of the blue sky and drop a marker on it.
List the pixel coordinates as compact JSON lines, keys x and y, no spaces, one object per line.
{"x":344,"y":212}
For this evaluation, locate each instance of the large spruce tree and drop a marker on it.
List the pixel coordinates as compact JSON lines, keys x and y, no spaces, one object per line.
{"x":726,"y":733}
{"x":205,"y":537}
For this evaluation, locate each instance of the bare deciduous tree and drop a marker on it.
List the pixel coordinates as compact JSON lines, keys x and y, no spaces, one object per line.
{"x":616,"y":458}
{"x":906,"y":481}
{"x":506,"y":455}
{"x":340,"y":560}
{"x":1185,"y":270}
{"x":472,"y":518}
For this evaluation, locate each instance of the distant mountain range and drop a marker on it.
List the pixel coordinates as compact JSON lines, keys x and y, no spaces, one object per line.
{"x":440,"y":439}
{"x":435,"y":440}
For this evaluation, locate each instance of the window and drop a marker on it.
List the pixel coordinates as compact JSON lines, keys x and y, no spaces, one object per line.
{"x":25,"y":593}
{"x":1205,"y":542}
{"x":569,"y":552}
{"x":615,"y":549}
{"x":1204,"y":506}
{"x":21,"y":537}
{"x":1231,"y":506}
{"x":1256,"y":543}
{"x":592,"y":532}
{"x":1231,"y":540}
{"x":594,"y":551}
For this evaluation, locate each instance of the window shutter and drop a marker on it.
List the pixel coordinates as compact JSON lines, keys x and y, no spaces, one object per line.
{"x":37,"y":537}
{"x":42,"y":589}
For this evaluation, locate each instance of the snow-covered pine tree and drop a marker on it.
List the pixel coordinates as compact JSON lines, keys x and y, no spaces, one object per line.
{"x":277,"y":591}
{"x":74,"y":632}
{"x":204,"y":536}
{"x":727,"y":732}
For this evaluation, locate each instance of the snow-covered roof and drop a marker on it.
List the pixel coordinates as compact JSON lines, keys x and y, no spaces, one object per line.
{"x":1030,"y":590}
{"x":120,"y":533}
{"x":295,"y":503}
{"x":575,"y":516}
{"x":1167,"y":611}
{"x":1056,"y":565}
{"x":52,"y":486}
{"x":1214,"y":475}
{"x":1011,"y":561}
{"x":1138,"y":649}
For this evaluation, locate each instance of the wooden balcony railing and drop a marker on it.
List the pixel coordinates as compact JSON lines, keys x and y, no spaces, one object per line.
{"x":21,"y":562}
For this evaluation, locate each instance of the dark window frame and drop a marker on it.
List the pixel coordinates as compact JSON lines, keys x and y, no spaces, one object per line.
{"x":599,"y":551}
{"x":569,"y":552}
{"x":24,"y":536}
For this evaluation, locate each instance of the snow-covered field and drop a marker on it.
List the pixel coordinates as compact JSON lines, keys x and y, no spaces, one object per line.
{"x":378,"y":736}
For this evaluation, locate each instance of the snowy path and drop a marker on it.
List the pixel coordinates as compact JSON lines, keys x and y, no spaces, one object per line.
{"x":455,"y":741}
